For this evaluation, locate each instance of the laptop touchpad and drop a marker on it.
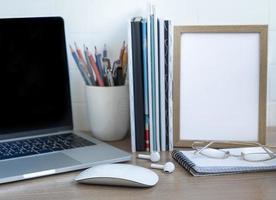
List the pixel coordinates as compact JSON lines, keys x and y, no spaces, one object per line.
{"x":33,"y":164}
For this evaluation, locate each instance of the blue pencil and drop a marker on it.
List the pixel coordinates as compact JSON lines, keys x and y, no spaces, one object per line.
{"x":84,"y":75}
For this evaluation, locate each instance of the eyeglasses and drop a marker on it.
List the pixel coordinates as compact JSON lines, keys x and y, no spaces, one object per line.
{"x":204,"y":148}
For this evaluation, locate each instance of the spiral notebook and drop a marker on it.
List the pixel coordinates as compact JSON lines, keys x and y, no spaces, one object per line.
{"x":199,"y":165}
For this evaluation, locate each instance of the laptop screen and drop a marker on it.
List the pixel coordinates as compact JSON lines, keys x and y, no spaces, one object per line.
{"x":34,"y":80}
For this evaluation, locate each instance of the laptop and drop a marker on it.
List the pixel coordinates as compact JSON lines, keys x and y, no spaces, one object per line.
{"x":36,"y":126}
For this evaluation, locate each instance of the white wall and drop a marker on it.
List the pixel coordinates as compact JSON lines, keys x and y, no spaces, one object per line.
{"x":95,"y":22}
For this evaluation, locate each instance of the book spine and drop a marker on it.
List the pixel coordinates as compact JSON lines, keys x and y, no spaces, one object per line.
{"x":170,"y":61}
{"x":153,"y":87}
{"x":145,"y":78}
{"x":152,"y":144}
{"x":131,"y":93}
{"x":136,"y":32}
{"x":157,"y":109}
{"x":166,"y":72}
{"x":162,"y":85}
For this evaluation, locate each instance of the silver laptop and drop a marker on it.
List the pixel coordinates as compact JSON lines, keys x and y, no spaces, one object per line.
{"x":36,"y":126}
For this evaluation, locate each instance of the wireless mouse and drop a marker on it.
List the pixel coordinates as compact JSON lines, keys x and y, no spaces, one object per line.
{"x":118,"y":175}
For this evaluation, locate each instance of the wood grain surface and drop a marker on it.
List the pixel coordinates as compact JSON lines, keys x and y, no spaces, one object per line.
{"x":179,"y":185}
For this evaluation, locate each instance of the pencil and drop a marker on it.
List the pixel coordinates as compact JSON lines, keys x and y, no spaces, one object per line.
{"x":81,"y":60}
{"x":124,"y":60}
{"x":79,"y":52}
{"x":95,"y":68}
{"x":90,"y":69}
{"x":99,"y":62}
{"x":122,"y":52}
{"x":80,"y":67}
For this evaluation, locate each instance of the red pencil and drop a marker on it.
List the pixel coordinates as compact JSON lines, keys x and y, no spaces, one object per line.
{"x":79,"y":53}
{"x":81,"y":59}
{"x":95,"y":68}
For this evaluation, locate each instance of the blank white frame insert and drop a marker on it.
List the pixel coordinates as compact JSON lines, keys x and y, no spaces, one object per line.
{"x":219,"y":86}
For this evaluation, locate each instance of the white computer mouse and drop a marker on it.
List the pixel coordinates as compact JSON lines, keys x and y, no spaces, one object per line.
{"x":118,"y":175}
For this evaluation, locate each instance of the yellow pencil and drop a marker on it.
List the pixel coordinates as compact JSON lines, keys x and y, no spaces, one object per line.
{"x":124,"y":60}
{"x":122,"y":53}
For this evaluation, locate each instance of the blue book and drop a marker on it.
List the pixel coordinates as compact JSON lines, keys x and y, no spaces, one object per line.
{"x":153,"y":86}
{"x":137,"y":61}
{"x":145,"y":79}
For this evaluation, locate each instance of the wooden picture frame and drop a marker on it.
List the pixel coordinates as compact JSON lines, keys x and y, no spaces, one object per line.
{"x":188,"y":40}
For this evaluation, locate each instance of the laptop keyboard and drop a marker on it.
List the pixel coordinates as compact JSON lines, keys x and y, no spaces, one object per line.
{"x":41,"y":145}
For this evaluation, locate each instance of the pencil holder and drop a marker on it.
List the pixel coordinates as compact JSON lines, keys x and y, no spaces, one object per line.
{"x":108,"y":110}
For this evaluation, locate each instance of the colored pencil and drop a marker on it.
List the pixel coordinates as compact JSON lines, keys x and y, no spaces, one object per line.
{"x":80,"y":67}
{"x":82,"y":61}
{"x":99,"y":62}
{"x":122,"y":52}
{"x":124,"y":60}
{"x":89,"y":67}
{"x":95,"y":68}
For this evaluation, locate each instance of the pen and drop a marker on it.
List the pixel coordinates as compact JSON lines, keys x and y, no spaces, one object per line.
{"x":110,"y":78}
{"x":105,"y":51}
{"x":106,"y":63}
{"x":95,"y":68}
{"x":119,"y":79}
{"x":80,"y":67}
{"x":116,"y":64}
{"x":99,"y":62}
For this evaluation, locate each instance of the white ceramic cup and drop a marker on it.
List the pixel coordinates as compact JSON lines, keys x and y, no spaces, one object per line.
{"x":108,"y":111}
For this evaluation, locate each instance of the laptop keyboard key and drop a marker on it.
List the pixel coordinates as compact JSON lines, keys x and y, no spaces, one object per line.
{"x":41,"y":145}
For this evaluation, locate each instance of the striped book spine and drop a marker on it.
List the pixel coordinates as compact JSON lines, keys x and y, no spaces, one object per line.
{"x":145,"y":79}
{"x":147,"y":136}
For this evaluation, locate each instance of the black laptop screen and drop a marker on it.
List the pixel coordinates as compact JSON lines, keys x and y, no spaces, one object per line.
{"x":34,"y":80}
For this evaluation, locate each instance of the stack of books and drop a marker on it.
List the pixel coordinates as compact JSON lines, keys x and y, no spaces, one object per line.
{"x":150,"y":83}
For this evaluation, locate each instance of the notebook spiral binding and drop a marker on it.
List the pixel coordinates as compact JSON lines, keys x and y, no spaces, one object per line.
{"x":182,"y":160}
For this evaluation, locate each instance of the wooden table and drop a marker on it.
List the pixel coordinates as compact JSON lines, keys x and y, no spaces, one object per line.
{"x":179,"y":185}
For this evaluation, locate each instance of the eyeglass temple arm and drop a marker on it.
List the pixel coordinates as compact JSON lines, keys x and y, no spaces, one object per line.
{"x":201,"y":149}
{"x":271,"y":154}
